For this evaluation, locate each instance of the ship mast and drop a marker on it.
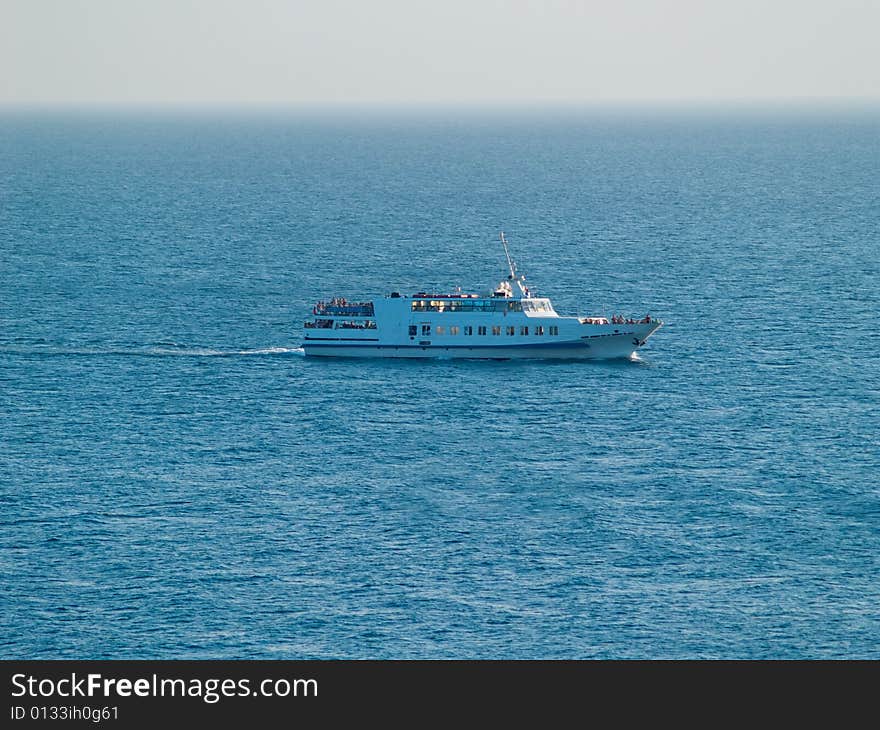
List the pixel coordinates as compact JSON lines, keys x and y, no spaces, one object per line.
{"x":510,"y":262}
{"x":520,"y":280}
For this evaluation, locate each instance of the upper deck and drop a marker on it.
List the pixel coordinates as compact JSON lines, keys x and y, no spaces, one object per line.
{"x":340,"y":307}
{"x":423,"y":302}
{"x":454,"y":303}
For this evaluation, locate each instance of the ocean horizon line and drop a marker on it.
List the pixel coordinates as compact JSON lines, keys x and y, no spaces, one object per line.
{"x":471,"y":107}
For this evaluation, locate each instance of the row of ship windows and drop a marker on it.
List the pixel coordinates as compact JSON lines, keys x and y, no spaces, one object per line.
{"x":483,"y":330}
{"x":459,"y":305}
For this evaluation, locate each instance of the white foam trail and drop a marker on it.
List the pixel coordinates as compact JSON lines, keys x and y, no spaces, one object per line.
{"x":179,"y":351}
{"x":208,"y":352}
{"x":271,"y":351}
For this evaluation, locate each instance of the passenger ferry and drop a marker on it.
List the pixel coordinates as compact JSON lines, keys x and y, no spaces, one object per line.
{"x":508,"y":322}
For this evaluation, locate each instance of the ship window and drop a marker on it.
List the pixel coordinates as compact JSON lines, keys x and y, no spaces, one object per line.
{"x":453,"y":330}
{"x":441,"y":330}
{"x":523,"y":330}
{"x":481,"y":330}
{"x":554,"y":330}
{"x":468,"y":330}
{"x":511,"y":330}
{"x":539,"y":330}
{"x":426,"y":330}
{"x":496,"y":329}
{"x":412,"y":330}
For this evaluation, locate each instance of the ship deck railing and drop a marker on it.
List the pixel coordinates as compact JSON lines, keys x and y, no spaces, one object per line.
{"x":336,"y":324}
{"x":361,"y":309}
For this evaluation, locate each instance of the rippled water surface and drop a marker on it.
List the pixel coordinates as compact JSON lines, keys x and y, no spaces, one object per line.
{"x":178,"y":481}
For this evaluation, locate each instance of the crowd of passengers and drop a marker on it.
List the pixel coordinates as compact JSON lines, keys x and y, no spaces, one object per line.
{"x":320,"y":324}
{"x":619,"y":319}
{"x":342,"y":306}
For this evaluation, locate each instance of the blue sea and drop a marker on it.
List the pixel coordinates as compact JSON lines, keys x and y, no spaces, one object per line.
{"x":178,"y":481}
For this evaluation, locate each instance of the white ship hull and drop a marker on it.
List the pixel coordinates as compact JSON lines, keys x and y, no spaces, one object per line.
{"x":590,"y":347}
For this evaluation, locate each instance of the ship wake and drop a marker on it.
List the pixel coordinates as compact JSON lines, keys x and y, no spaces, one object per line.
{"x":163,"y":349}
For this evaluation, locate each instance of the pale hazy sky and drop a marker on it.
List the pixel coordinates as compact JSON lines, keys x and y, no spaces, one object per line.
{"x":437,"y":51}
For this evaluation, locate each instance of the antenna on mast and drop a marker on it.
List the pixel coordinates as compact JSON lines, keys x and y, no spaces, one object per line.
{"x":510,"y":262}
